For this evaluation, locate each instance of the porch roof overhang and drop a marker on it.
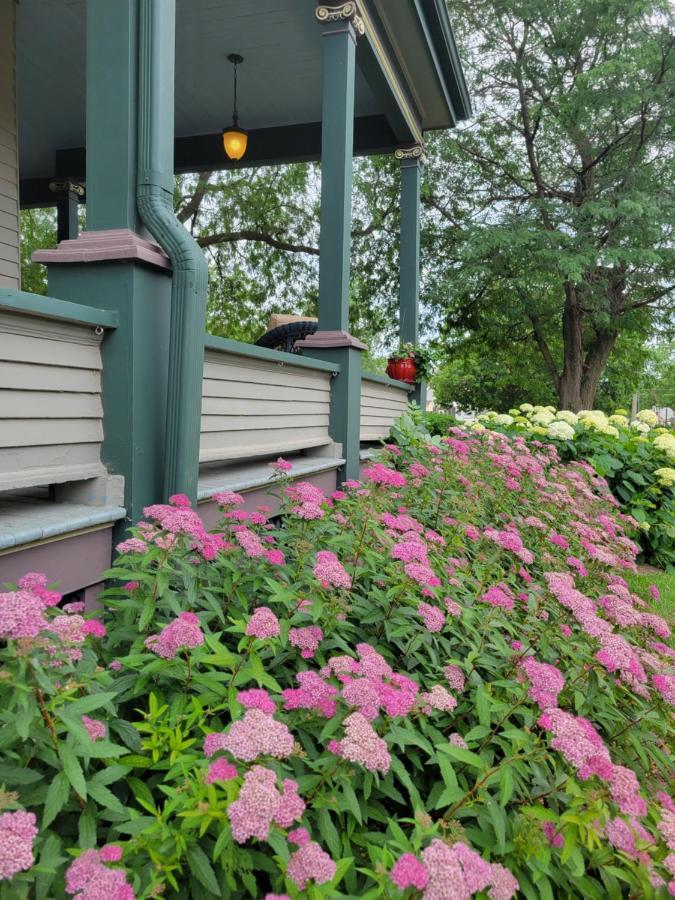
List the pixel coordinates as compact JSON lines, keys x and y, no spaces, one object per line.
{"x":409,"y":80}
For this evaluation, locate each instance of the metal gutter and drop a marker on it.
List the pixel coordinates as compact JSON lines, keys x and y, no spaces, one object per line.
{"x":154,"y":196}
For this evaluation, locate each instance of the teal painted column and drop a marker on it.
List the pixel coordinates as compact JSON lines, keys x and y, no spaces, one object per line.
{"x":112,"y":266}
{"x":337,"y":148}
{"x":411,"y":160}
{"x":340,"y":26}
{"x":112,"y":96}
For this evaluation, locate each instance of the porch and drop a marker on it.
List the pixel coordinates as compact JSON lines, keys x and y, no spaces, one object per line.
{"x":111,"y":395}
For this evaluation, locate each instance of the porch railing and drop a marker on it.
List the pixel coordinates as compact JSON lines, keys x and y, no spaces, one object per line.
{"x":51,"y":415}
{"x":383,"y":400}
{"x":258,"y":402}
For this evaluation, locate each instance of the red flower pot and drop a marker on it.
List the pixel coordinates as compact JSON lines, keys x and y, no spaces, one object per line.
{"x":402,"y":370}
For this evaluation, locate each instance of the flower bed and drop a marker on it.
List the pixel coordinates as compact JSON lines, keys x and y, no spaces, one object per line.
{"x":636,"y":457}
{"x":434,"y":683}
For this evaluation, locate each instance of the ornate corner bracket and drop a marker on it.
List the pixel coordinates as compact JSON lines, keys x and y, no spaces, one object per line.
{"x":414,"y":152}
{"x":342,"y":12}
{"x":63,"y":187}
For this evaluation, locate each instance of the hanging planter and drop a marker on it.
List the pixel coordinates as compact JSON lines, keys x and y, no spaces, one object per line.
{"x":402,"y":369}
{"x":410,"y":363}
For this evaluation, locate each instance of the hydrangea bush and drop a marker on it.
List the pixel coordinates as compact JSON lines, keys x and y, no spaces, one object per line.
{"x":434,"y":683}
{"x":636,"y":457}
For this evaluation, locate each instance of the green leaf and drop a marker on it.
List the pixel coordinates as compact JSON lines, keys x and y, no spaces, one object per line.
{"x":105,"y":797}
{"x":201,"y":868}
{"x":466,"y":756}
{"x":73,"y":770}
{"x":329,"y":833}
{"x":57,"y":795}
{"x":15,"y":775}
{"x":87,"y":829}
{"x":87,"y":704}
{"x":483,"y":705}
{"x":506,"y":785}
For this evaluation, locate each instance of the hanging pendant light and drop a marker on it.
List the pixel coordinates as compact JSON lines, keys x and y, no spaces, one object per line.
{"x":235,"y":139}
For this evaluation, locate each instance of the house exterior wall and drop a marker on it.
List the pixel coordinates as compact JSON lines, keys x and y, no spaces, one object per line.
{"x":9,"y":174}
{"x":256,"y":407}
{"x":381,"y":403}
{"x":51,"y":416}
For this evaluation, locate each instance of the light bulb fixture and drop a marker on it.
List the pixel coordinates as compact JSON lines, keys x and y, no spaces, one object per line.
{"x":235,"y":139}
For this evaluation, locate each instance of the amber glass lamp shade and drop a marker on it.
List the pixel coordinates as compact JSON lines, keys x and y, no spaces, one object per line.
{"x":235,"y":141}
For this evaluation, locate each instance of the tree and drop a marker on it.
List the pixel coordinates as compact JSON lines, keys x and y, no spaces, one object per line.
{"x":551,"y":215}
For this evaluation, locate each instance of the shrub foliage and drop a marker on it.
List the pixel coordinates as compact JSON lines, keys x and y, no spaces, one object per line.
{"x":434,"y":683}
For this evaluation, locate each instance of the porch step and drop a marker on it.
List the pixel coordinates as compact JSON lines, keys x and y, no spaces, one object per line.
{"x":26,"y":519}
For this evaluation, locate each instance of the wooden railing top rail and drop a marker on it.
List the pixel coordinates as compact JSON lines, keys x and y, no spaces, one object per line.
{"x":385,"y":379}
{"x":52,"y":308}
{"x":238,"y":348}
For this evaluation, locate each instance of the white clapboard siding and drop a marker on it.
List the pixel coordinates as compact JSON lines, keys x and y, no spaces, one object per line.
{"x":381,"y":404}
{"x":257,"y":407}
{"x":51,"y":416}
{"x":9,"y":174}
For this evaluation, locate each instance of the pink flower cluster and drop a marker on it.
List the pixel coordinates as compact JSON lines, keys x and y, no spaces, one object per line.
{"x":88,"y":878}
{"x":499,"y":595}
{"x":256,"y":734}
{"x":308,"y":500}
{"x":260,"y":803}
{"x":182,"y":634}
{"x":510,"y":540}
{"x":17,"y":833}
{"x":546,"y":681}
{"x":381,"y":474}
{"x":362,"y":744}
{"x":329,"y":571}
{"x":263,"y":624}
{"x":310,"y":862}
{"x":307,"y":639}
{"x":452,"y":871}
{"x":94,"y":728}
{"x":180,"y":520}
{"x":434,"y":619}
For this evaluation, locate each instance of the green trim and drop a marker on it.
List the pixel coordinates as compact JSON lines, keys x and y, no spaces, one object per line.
{"x":238,"y":348}
{"x":438,"y":21}
{"x":51,"y":308}
{"x":385,"y":379}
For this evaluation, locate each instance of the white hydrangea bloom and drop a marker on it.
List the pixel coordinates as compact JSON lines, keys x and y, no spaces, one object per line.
{"x":593,"y":418}
{"x":610,"y":429}
{"x":618,"y":419}
{"x":642,"y":427}
{"x":543,"y":417}
{"x":649,"y":417}
{"x":526,"y":407}
{"x":666,"y":476}
{"x":561,"y":430}
{"x":503,"y":419}
{"x":666,"y":443}
{"x":565,"y":415}
{"x":477,"y":426}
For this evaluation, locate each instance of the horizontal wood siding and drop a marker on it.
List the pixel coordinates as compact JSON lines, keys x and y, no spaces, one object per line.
{"x":51,"y":417}
{"x":381,"y":404}
{"x":256,"y":407}
{"x":9,"y":173}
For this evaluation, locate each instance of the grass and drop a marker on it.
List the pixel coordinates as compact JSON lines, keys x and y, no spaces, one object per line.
{"x":665,"y":581}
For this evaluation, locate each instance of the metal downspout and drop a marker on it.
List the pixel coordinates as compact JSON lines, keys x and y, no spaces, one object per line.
{"x":154,"y":196}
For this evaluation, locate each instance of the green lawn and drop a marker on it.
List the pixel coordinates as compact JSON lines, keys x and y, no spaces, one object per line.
{"x":665,"y":582}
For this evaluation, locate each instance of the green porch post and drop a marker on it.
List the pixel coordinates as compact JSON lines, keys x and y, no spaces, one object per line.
{"x":412,"y":160}
{"x":340,"y":26}
{"x":111,"y":266}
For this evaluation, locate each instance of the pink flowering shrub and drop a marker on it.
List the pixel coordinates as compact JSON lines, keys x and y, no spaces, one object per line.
{"x":428,"y":684}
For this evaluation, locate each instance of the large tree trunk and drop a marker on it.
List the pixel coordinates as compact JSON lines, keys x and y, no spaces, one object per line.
{"x":594,"y":366}
{"x":569,"y":384}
